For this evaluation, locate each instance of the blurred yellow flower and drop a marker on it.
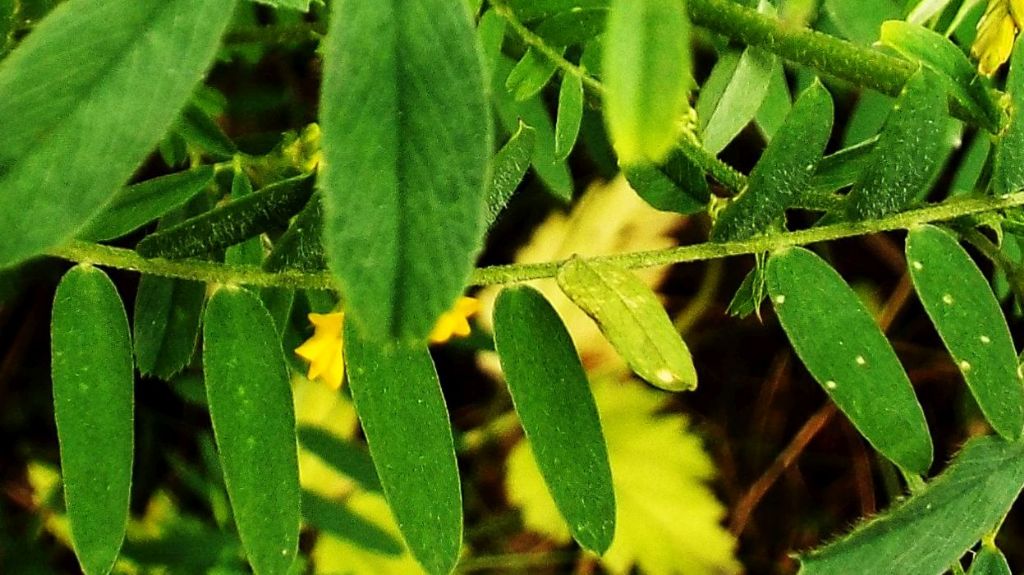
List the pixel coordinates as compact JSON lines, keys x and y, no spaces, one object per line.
{"x":996,"y":32}
{"x":324,"y":350}
{"x":455,"y":322}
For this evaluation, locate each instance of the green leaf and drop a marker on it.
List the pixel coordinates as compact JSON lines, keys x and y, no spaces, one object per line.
{"x":300,"y":5}
{"x":845,"y":351}
{"x":399,"y":402}
{"x":646,"y":67}
{"x":530,"y":75}
{"x":633,"y":320}
{"x":861,"y":20}
{"x":510,"y":165}
{"x":972,"y":166}
{"x":335,"y":518}
{"x":908,"y":152}
{"x":530,"y":10}
{"x":784,"y":172}
{"x":570,"y":115}
{"x":93,"y":402}
{"x":960,"y":303}
{"x":843,"y":168}
{"x":77,"y":122}
{"x":230,"y":224}
{"x":250,"y":401}
{"x":751,"y":293}
{"x":777,"y":103}
{"x":740,"y":100}
{"x":554,"y":173}
{"x":301,"y":246}
{"x":558,"y":413}
{"x":928,"y":532}
{"x":402,"y":243}
{"x":1008,"y":165}
{"x":137,"y":205}
{"x":343,"y":456}
{"x":166,"y":324}
{"x":989,"y":561}
{"x":677,"y":185}
{"x":8,"y":21}
{"x":201,"y":131}
{"x":250,"y":251}
{"x":923,"y":46}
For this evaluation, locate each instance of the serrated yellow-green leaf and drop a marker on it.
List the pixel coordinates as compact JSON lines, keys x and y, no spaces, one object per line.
{"x":87,"y":96}
{"x":965,"y":312}
{"x":407,"y":160}
{"x":646,"y":68}
{"x":553,"y":399}
{"x":633,"y":320}
{"x":846,"y":352}
{"x":403,"y":414}
{"x":250,"y":401}
{"x":93,"y":402}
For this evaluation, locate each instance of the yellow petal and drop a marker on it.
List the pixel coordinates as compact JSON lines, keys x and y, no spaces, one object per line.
{"x":996,"y":32}
{"x":455,"y":322}
{"x":323,"y":350}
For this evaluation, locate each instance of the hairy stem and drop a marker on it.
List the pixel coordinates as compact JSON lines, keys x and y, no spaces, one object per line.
{"x":211,"y":272}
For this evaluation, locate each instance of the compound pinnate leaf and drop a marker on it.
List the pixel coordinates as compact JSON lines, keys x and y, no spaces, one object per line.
{"x":928,"y":532}
{"x":553,"y":399}
{"x":846,"y":352}
{"x":93,"y":401}
{"x":784,"y":171}
{"x":250,"y":400}
{"x":140,"y":204}
{"x":907,"y":153}
{"x":965,"y":312}
{"x":633,"y":320}
{"x":646,"y":67}
{"x":77,"y":122}
{"x":403,"y":218}
{"x":398,"y":398}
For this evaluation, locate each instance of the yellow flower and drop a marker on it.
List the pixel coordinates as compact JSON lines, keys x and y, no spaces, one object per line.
{"x":996,"y":32}
{"x":456,"y":321}
{"x":324,"y":351}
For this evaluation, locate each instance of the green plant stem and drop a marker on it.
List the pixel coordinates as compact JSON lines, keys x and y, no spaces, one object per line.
{"x":826,"y":54}
{"x":719,"y":170}
{"x":212,"y":272}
